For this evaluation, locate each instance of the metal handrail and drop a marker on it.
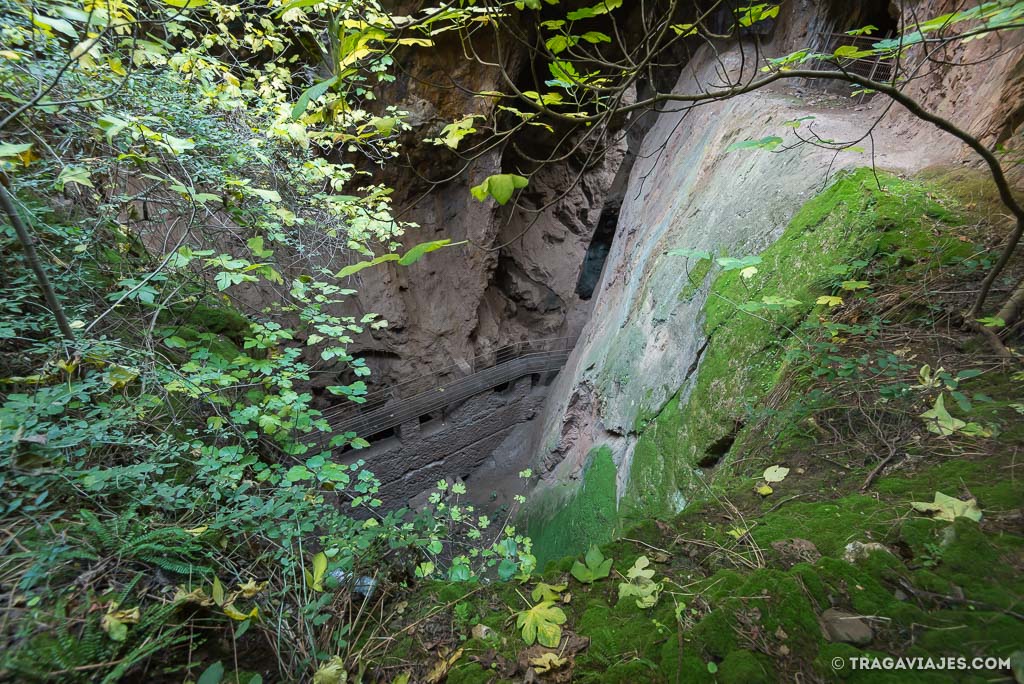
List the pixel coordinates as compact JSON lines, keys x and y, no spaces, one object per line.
{"x":423,"y":395}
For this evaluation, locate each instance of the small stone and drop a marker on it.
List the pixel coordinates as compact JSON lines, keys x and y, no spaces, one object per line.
{"x":846,"y":628}
{"x":481,"y":632}
{"x":793,"y":551}
{"x":858,"y":551}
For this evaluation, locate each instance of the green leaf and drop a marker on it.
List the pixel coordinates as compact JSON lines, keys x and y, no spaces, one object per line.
{"x":268,"y":195}
{"x":541,"y":624}
{"x":315,"y":579}
{"x":596,"y":567}
{"x":13,"y":150}
{"x":212,"y":675}
{"x":297,"y":473}
{"x":748,"y":16}
{"x":460,"y":572}
{"x":640,"y":569}
{"x":359,"y":266}
{"x":769,"y":143}
{"x":453,"y":133}
{"x":58,"y":25}
{"x":309,"y":94}
{"x":506,"y":569}
{"x":417,"y":252}
{"x":500,"y":187}
{"x":603,"y":7}
{"x":73,"y":174}
{"x":854,"y":285}
{"x":734,"y":264}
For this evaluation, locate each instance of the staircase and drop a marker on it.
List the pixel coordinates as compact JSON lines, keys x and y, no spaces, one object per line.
{"x":427,"y":394}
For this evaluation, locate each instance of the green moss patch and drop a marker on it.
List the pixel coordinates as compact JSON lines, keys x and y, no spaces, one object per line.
{"x":567,"y":520}
{"x":860,"y":218}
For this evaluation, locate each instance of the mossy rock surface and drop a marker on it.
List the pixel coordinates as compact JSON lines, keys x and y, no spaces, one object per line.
{"x":734,"y":604}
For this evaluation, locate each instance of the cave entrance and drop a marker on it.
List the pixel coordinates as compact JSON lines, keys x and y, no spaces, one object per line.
{"x":597,"y":252}
{"x":875,"y":19}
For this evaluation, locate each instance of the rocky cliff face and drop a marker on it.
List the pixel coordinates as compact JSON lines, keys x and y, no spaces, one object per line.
{"x":669,"y":183}
{"x":516,"y":276}
{"x":644,"y":344}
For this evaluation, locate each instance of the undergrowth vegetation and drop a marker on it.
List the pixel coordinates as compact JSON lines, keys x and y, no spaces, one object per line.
{"x":189,"y":188}
{"x":174,"y":504}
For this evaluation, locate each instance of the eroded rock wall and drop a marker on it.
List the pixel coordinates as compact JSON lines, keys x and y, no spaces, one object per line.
{"x":644,"y":344}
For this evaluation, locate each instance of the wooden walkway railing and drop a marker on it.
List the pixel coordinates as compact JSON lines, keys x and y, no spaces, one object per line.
{"x":427,"y":394}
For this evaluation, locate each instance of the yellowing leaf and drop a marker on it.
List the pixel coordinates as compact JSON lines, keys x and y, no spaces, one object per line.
{"x":251,"y":588}
{"x":946,"y":507}
{"x":640,"y":585}
{"x":939,"y":420}
{"x":196,"y":531}
{"x":547,"y":592}
{"x":115,"y":622}
{"x":748,"y":272}
{"x":541,"y":624}
{"x":236,"y":614}
{"x":197,"y":596}
{"x":640,"y":569}
{"x":547,"y":662}
{"x":315,"y":579}
{"x":73,"y":174}
{"x":331,"y":672}
{"x":775,"y":473}
{"x":764,"y":490}
{"x":829,"y":301}
{"x":441,"y":667}
{"x":118,"y":376}
{"x":217,"y":592}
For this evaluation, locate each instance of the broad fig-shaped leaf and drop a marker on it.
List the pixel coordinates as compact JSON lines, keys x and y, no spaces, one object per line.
{"x":596,"y":567}
{"x":541,"y":624}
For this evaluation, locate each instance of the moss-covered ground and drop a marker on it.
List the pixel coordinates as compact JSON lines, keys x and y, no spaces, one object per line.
{"x":747,"y":576}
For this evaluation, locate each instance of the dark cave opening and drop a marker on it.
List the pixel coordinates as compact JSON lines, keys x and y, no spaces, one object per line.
{"x":719,"y":448}
{"x":597,"y":252}
{"x":858,"y":25}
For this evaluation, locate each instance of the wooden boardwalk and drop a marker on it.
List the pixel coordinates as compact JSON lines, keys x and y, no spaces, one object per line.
{"x":427,"y":395}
